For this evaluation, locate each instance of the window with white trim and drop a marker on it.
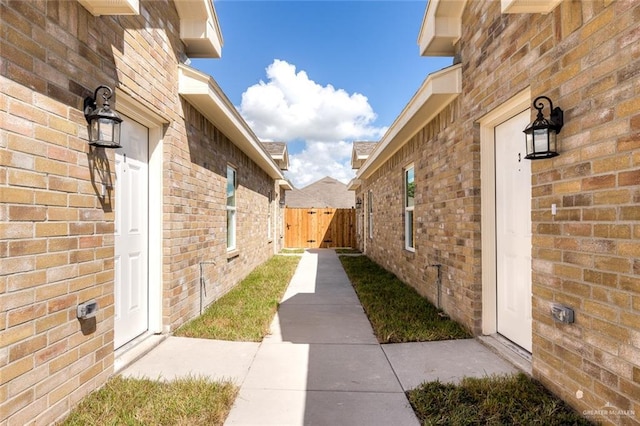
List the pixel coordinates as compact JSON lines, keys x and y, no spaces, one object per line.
{"x":231,"y":208}
{"x":370,"y":213}
{"x":409,"y":194}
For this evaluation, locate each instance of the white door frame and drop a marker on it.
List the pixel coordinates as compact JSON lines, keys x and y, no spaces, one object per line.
{"x":139,"y":112}
{"x":508,"y":109}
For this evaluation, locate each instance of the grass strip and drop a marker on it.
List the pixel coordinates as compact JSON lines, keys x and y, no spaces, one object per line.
{"x":396,"y":311}
{"x":292,"y":251}
{"x":245,"y":313}
{"x":497,"y":400}
{"x":126,"y":401}
{"x":347,"y":251}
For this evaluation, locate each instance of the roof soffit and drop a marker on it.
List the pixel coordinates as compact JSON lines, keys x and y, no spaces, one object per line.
{"x":442,"y":23}
{"x":199,"y":28}
{"x":441,"y":27}
{"x":528,"y":6}
{"x":284,"y":184}
{"x":111,"y":7}
{"x":201,"y":91}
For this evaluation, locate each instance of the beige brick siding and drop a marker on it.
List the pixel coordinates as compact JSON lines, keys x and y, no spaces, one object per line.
{"x":584,"y":56}
{"x":56,"y":234}
{"x":446,"y":218}
{"x":195,"y":221}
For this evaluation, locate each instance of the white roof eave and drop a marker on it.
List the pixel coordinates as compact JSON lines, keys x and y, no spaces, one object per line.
{"x":441,"y":27}
{"x":199,"y":28}
{"x":111,"y":7}
{"x":437,"y":91}
{"x":284,"y":184}
{"x":354,"y":184}
{"x":528,"y":6}
{"x":201,"y":91}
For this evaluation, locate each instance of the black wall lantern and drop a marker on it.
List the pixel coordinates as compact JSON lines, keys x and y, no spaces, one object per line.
{"x":541,"y":135}
{"x":358,"y":203}
{"x":104,"y":124}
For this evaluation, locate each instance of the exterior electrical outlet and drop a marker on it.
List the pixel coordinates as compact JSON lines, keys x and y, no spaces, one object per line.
{"x":87,"y":310}
{"x":562,"y":313}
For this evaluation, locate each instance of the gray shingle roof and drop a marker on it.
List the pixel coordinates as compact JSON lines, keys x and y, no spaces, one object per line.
{"x":360,"y":152}
{"x":327,"y":192}
{"x":278,"y":151}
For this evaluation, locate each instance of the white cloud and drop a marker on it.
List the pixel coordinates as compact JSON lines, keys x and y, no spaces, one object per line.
{"x":290,"y":106}
{"x":320,"y":159}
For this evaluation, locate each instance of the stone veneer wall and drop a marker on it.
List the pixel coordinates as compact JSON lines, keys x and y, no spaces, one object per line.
{"x":56,"y":236}
{"x":586,"y":57}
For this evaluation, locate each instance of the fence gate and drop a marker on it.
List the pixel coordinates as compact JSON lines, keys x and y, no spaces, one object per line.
{"x":319,"y":228}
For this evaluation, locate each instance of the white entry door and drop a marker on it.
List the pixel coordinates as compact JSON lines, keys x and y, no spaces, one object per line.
{"x":513,"y":232}
{"x":131,"y":233}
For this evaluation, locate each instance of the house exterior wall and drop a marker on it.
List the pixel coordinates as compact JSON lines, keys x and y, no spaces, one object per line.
{"x":585,"y":56}
{"x":446,"y":217}
{"x":57,"y":234}
{"x":195,"y":220}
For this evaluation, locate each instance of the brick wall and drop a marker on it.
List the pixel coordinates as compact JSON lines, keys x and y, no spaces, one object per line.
{"x":586,"y":57}
{"x":56,"y":242}
{"x":195,"y":219}
{"x":586,"y":256}
{"x":446,"y":218}
{"x":56,"y":235}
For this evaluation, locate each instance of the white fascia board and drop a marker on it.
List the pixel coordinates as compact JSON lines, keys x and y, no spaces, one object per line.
{"x":355,"y":159}
{"x":284,"y":184}
{"x":111,"y":7}
{"x":354,"y":184}
{"x":199,"y":28}
{"x":528,"y":6}
{"x":201,"y":91}
{"x":441,"y":27}
{"x":437,"y":91}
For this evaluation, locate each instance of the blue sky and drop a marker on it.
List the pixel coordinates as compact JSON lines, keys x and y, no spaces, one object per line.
{"x":320,"y":74}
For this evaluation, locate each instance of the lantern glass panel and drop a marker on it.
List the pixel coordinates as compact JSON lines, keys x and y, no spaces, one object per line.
{"x":553,"y":141}
{"x":541,"y":140}
{"x":105,"y":130}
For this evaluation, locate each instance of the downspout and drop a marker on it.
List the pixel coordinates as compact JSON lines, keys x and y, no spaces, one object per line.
{"x":438,"y":284}
{"x":203,"y":287}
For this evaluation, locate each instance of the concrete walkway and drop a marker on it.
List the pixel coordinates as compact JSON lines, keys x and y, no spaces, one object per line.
{"x":322,"y":364}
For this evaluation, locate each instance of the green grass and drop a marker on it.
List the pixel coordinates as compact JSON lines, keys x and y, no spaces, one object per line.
{"x":123,"y":401}
{"x":396,"y":311}
{"x":245,"y":313}
{"x":347,"y":251}
{"x":499,"y":400}
{"x":292,"y":251}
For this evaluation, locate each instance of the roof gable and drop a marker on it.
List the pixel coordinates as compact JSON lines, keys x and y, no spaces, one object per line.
{"x":360,"y":152}
{"x":326,"y":192}
{"x":279,"y":152}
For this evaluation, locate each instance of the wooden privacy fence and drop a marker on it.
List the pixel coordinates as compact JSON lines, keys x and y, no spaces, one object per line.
{"x":319,"y":228}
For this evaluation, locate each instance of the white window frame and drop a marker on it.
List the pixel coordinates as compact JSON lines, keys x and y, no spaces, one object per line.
{"x":370,"y":213}
{"x":409,"y":217}
{"x":231,"y":208}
